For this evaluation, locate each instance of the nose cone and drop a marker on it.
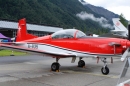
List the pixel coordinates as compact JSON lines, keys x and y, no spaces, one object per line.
{"x":128,"y":43}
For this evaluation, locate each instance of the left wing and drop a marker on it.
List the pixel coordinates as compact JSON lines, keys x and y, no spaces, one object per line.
{"x":36,"y":51}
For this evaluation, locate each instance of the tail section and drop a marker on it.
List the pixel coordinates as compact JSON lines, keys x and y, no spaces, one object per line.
{"x":119,"y":27}
{"x":22,"y":31}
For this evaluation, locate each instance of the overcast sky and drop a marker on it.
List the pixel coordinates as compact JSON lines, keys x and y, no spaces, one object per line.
{"x":116,"y":6}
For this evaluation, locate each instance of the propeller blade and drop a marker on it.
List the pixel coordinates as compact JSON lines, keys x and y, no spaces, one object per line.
{"x":125,"y":54}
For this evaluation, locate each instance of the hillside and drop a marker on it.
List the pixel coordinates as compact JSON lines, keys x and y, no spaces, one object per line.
{"x":101,"y":11}
{"x":61,"y":13}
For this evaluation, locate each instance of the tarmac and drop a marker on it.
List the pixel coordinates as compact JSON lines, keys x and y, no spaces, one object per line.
{"x":33,"y":70}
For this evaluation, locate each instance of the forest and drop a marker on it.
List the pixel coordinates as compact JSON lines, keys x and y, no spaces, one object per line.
{"x":58,"y":13}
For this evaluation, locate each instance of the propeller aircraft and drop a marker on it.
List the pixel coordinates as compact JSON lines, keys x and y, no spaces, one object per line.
{"x":69,"y":43}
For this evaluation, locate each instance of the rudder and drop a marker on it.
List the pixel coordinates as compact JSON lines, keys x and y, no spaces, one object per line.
{"x":22,"y":31}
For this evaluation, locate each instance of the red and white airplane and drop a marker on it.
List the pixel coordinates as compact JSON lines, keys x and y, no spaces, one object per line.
{"x":69,"y":43}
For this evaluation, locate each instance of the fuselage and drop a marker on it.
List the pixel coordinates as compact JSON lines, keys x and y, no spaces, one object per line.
{"x":83,"y":46}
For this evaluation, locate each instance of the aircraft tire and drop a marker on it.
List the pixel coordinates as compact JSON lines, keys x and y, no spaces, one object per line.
{"x":81,"y":63}
{"x":55,"y":66}
{"x":105,"y":70}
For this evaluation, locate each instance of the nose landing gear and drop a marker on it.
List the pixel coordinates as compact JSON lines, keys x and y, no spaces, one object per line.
{"x":105,"y":69}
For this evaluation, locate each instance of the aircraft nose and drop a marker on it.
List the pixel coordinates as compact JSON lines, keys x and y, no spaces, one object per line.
{"x":128,"y":44}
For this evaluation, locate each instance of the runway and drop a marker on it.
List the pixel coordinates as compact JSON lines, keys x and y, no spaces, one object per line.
{"x":33,"y":70}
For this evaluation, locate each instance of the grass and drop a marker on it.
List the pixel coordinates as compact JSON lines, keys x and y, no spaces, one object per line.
{"x":9,"y":52}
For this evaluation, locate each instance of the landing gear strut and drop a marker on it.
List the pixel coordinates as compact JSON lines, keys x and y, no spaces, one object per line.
{"x":81,"y":62}
{"x":105,"y":69}
{"x":55,"y":66}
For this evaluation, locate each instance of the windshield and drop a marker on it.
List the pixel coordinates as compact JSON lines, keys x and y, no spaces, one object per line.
{"x":80,"y":34}
{"x":68,"y":33}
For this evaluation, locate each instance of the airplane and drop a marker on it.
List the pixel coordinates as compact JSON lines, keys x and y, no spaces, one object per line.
{"x":69,"y":43}
{"x":120,"y":29}
{"x":118,"y":32}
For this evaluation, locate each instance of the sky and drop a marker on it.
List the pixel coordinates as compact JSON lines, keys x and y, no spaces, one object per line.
{"x":116,"y":6}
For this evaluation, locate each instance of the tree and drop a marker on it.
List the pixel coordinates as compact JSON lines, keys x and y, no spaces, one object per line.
{"x":123,"y":20}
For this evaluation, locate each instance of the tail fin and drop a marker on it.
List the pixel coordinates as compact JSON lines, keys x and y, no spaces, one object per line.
{"x":118,"y":25}
{"x":22,"y":31}
{"x":120,"y":29}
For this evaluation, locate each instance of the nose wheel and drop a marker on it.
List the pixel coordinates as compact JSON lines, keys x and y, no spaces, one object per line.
{"x":105,"y":69}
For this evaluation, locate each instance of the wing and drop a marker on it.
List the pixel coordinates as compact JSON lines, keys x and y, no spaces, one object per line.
{"x":35,"y":51}
{"x":120,"y":31}
{"x":112,"y":35}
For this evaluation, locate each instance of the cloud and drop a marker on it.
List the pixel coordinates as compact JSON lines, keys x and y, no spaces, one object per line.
{"x":123,"y":10}
{"x":107,"y":3}
{"x":83,"y":2}
{"x":102,"y":21}
{"x":116,"y":6}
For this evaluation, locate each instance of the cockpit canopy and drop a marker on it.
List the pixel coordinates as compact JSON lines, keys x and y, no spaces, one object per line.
{"x":68,"y":33}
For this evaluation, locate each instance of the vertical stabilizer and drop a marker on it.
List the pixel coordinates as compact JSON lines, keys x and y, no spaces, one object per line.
{"x":118,"y":25}
{"x":120,"y":29}
{"x":22,"y":31}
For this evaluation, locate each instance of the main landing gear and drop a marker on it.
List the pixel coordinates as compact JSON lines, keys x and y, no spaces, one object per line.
{"x":105,"y":69}
{"x":55,"y":66}
{"x":81,"y":63}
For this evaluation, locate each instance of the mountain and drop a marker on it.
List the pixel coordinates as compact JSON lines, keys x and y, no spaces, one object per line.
{"x":102,"y":11}
{"x":61,"y":13}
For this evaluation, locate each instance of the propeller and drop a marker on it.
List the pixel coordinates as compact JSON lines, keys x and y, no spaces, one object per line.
{"x":125,"y":54}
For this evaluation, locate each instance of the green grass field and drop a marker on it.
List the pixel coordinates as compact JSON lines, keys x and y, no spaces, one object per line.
{"x":9,"y":52}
